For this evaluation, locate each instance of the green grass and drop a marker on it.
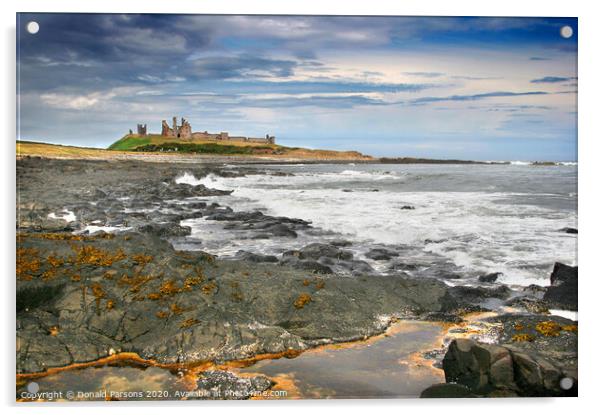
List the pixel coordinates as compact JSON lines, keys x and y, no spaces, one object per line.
{"x":129,"y":143}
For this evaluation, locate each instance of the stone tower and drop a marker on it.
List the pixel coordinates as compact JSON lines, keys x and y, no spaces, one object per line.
{"x":141,"y":129}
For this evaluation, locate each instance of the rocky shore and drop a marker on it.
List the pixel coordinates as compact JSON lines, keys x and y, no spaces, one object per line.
{"x":98,"y":275}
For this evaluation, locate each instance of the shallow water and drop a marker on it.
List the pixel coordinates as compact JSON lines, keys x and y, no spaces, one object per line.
{"x":390,"y":367}
{"x":386,"y":366}
{"x":481,"y":218}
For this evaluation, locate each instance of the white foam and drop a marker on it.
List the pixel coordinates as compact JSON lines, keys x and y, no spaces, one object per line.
{"x":188,"y":178}
{"x":67,"y":216}
{"x":474,"y":229}
{"x":210,"y":180}
{"x":571,"y":315}
{"x":108,"y":229}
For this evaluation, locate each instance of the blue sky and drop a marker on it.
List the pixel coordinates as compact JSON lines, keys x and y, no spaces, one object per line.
{"x":444,"y":87}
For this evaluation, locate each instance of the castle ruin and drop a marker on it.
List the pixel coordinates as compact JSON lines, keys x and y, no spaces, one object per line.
{"x":180,"y":131}
{"x":184,"y":131}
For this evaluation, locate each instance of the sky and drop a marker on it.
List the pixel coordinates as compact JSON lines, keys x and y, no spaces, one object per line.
{"x":439,"y":87}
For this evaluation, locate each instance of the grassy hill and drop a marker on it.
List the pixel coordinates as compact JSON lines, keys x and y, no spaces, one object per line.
{"x":159,"y":144}
{"x":159,"y":148}
{"x":136,"y":142}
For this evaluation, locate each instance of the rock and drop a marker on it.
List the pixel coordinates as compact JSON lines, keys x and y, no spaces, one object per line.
{"x":478,"y":366}
{"x":165,"y":230}
{"x":568,"y":230}
{"x":281,"y":230}
{"x":251,"y":257}
{"x":562,"y":292}
{"x":490,"y":277}
{"x":446,"y":317}
{"x":533,"y":305}
{"x":220,"y":384}
{"x":535,"y":289}
{"x":493,"y":370}
{"x":471,"y":295}
{"x":407,"y":207}
{"x":306,"y":265}
{"x":319,"y":250}
{"x":447,"y":390}
{"x":340,"y":243}
{"x":381,"y":254}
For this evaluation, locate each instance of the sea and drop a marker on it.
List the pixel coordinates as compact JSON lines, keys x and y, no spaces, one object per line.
{"x":474,"y":219}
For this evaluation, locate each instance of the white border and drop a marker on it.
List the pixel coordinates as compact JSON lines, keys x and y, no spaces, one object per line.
{"x":590,"y":111}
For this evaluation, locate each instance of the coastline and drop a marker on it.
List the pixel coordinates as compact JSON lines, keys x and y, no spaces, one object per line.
{"x":116,"y":292}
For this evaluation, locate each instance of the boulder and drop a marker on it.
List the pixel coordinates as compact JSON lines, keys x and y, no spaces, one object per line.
{"x":169,"y":229}
{"x":492,"y":277}
{"x":562,"y":292}
{"x":471,"y":295}
{"x":480,"y":367}
{"x":251,"y":257}
{"x":381,"y":254}
{"x":496,"y":370}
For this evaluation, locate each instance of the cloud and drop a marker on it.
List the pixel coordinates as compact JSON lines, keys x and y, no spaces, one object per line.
{"x":425,"y":74}
{"x":552,"y":79}
{"x":475,"y":97}
{"x":244,"y":65}
{"x":475,"y":78}
{"x":538,"y":58}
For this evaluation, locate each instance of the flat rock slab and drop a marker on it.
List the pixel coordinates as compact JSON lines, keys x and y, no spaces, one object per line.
{"x":131,"y":292}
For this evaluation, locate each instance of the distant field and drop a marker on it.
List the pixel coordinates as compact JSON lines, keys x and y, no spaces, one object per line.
{"x":29,"y":148}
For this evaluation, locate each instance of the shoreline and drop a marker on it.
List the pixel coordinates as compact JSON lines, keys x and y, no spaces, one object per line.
{"x":85,"y":297}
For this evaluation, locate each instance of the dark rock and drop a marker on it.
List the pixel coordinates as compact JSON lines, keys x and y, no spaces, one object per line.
{"x":407,"y":207}
{"x":568,"y":230}
{"x":220,"y":384}
{"x":306,"y":265}
{"x":340,"y":243}
{"x":535,"y":289}
{"x":478,"y":366}
{"x":356,"y":267}
{"x":447,"y":390}
{"x":165,"y":230}
{"x":316,"y":251}
{"x":281,"y":230}
{"x":401,"y":266}
{"x":381,"y":254}
{"x":468,"y":294}
{"x":490,"y":277}
{"x":563,"y":291}
{"x":251,"y":257}
{"x":99,"y":194}
{"x":533,"y":305}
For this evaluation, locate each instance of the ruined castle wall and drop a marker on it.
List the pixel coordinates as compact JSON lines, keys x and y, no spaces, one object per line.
{"x":259,"y":140}
{"x":165,"y":130}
